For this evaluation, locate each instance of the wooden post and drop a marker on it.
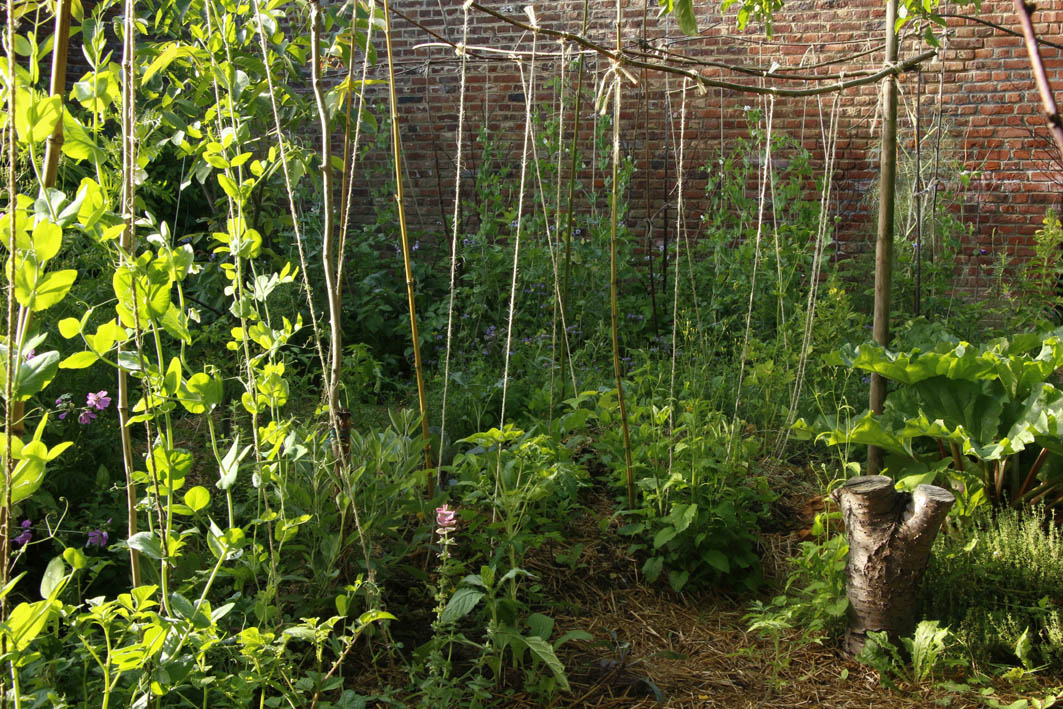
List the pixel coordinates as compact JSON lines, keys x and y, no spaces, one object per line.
{"x":884,"y":240}
{"x":890,"y":536}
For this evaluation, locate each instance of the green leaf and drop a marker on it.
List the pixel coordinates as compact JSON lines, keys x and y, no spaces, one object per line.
{"x":69,"y":327}
{"x":34,"y":375}
{"x":79,"y":360}
{"x":540,"y":625}
{"x":651,"y":569}
{"x":459,"y":605}
{"x":197,"y":498}
{"x":581,"y":635}
{"x":78,"y":144}
{"x":53,"y":288}
{"x":47,"y":239}
{"x":172,"y":379}
{"x":93,"y":203}
{"x":230,"y":464}
{"x":27,"y":620}
{"x":684,"y":15}
{"x":230,"y":187}
{"x":36,"y":118}
{"x":542,"y":650}
{"x":54,"y":576}
{"x":76,"y":558}
{"x":146,"y":543}
{"x":200,"y":392}
{"x":678,"y":579}
{"x":663,"y":536}
{"x":717,"y":560}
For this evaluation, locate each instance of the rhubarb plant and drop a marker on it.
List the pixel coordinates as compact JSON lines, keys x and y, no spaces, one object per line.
{"x":987,"y":419}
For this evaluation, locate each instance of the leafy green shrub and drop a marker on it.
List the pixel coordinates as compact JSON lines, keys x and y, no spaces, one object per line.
{"x":700,"y":503}
{"x":996,"y":583}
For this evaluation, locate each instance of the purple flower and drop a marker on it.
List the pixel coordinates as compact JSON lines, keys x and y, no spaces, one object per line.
{"x":63,"y":402}
{"x":86,"y":417}
{"x":29,"y":354}
{"x":98,"y":400}
{"x":97,"y":538}
{"x":26,"y":536}
{"x":984,"y":252}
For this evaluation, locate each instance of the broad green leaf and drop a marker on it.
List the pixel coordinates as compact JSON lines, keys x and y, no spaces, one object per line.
{"x":230,"y":187}
{"x":47,"y":239}
{"x":76,"y":558}
{"x":197,"y":498}
{"x":53,"y":288}
{"x":69,"y":327}
{"x":165,"y":58}
{"x":663,"y":536}
{"x":652,"y":568}
{"x":684,"y":15}
{"x":93,"y":203}
{"x":79,"y":360}
{"x":53,"y":578}
{"x":717,"y":560}
{"x":78,"y":144}
{"x":541,"y":626}
{"x":200,"y":392}
{"x":36,"y":118}
{"x":678,"y":579}
{"x":146,"y":543}
{"x":545,"y":652}
{"x":171,"y":465}
{"x":459,"y":605}
{"x":373,"y":616}
{"x":34,"y":375}
{"x":27,"y":620}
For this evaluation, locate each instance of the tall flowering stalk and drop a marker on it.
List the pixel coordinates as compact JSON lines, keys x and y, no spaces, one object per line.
{"x":442,"y":628}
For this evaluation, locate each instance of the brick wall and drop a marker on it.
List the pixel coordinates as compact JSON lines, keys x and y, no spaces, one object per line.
{"x":993,"y":135}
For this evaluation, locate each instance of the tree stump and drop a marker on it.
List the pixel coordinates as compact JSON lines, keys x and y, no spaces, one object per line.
{"x":890,"y":535}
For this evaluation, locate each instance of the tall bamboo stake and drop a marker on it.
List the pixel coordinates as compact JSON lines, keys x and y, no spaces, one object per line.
{"x":53,"y":146}
{"x":397,"y":153}
{"x":613,"y":207}
{"x":884,"y":241}
{"x":57,"y":87}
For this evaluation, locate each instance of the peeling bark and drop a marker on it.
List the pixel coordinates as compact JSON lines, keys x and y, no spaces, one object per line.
{"x":890,"y":535}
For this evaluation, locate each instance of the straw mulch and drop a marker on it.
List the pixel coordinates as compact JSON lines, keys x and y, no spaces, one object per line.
{"x":655,"y":648}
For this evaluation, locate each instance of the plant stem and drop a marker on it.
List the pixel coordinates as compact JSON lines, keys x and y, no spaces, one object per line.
{"x":397,"y":154}
{"x":328,"y":240}
{"x":126,"y":245}
{"x":570,"y":203}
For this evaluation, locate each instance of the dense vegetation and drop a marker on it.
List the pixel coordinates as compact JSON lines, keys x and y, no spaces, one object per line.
{"x":211,"y":498}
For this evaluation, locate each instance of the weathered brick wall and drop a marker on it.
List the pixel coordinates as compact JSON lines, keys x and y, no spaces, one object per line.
{"x":992,"y":134}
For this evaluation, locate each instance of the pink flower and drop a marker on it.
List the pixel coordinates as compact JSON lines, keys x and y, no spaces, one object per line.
{"x":86,"y":417}
{"x":98,"y":400}
{"x":446,"y":519}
